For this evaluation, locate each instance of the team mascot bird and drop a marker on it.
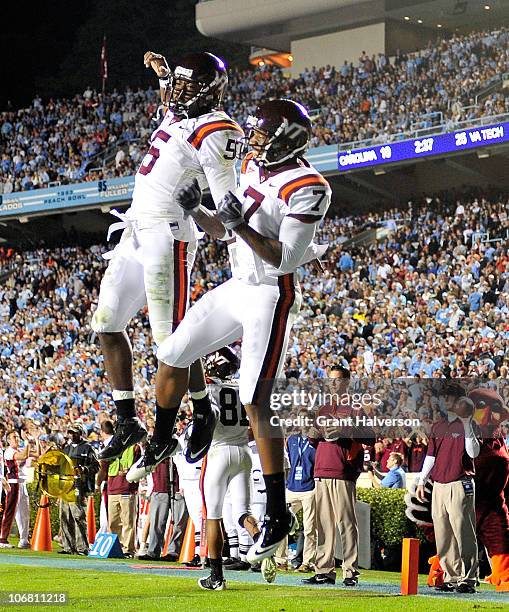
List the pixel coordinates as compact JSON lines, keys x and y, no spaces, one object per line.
{"x":492,"y":482}
{"x":491,"y":494}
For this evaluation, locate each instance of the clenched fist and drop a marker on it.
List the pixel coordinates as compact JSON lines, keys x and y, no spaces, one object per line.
{"x":189,"y":198}
{"x":230,"y":211}
{"x":157,"y":62}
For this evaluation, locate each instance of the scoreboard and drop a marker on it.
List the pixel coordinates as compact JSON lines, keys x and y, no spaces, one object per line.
{"x":438,"y":144}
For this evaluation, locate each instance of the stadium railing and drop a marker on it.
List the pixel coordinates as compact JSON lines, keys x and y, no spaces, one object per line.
{"x":446,"y":126}
{"x":499,"y":81}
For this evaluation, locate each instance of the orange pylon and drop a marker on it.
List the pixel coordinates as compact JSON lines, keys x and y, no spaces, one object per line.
{"x":409,"y":566}
{"x":41,"y":538}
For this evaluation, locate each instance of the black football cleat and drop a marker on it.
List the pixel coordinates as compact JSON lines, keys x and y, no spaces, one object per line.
{"x":155,"y":453}
{"x":127,"y":433}
{"x":210,"y":584}
{"x":238,"y":566}
{"x":195,"y":562}
{"x":273,"y":532}
{"x":202,"y":432}
{"x":465,"y":587}
{"x":351,"y":581}
{"x":319,"y":579}
{"x":229,"y":560}
{"x":446,"y":587}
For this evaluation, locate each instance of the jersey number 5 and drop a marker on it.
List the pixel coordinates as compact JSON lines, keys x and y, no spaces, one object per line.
{"x":230,"y":407}
{"x":231,"y":149}
{"x":153,"y":153}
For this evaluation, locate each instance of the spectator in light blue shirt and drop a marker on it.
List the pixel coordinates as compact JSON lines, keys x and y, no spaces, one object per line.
{"x":490,"y":251}
{"x":395,"y":478}
{"x":345,"y":262}
{"x":474,"y":299}
{"x":443,"y":315}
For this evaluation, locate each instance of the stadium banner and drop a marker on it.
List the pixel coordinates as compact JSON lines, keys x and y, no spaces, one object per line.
{"x":437,"y":144}
{"x":107,"y":192}
{"x":67,"y":197}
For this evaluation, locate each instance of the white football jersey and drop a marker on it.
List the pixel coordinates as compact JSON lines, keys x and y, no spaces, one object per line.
{"x":181,"y":150}
{"x":295,"y":191}
{"x":232,"y":426}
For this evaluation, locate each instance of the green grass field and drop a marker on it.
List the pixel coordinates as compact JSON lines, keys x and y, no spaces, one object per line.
{"x":114,"y":585}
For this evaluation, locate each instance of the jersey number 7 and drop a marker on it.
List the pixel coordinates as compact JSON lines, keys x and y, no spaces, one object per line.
{"x":152,"y":154}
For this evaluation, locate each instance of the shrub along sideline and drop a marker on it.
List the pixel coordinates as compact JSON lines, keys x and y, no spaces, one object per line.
{"x":389,"y":525}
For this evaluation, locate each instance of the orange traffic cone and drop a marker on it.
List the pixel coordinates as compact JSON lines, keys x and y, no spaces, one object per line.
{"x":41,"y":538}
{"x":91,"y":528}
{"x":167,"y":540}
{"x":187,"y":550}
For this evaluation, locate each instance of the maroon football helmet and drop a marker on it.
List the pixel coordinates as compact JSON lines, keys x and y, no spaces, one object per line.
{"x":279,"y":130}
{"x":197,"y":84}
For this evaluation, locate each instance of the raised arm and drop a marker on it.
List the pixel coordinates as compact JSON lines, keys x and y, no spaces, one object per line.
{"x":158,"y":63}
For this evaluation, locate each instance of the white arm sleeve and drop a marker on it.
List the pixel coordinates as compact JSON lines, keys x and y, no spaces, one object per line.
{"x":472,"y":445}
{"x":218,"y":163}
{"x":220,"y":179}
{"x":296,"y":238}
{"x":427,"y":466}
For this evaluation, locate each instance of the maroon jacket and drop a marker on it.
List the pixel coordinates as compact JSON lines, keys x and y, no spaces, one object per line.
{"x":334,"y":460}
{"x":160,"y":477}
{"x":416,"y":456}
{"x":447,"y":445}
{"x":343,"y":459}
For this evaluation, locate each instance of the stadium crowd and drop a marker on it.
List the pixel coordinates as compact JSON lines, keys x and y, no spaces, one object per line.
{"x":430,"y":299}
{"x":91,"y":136}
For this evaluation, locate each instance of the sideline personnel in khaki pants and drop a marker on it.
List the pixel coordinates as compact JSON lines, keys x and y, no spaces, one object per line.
{"x":122,"y":498}
{"x":338,"y":464}
{"x":453,"y":446}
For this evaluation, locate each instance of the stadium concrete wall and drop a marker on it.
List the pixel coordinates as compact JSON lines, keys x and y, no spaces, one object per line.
{"x":337,"y":47}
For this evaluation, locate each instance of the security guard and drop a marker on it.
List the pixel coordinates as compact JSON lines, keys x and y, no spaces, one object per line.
{"x":73,"y":519}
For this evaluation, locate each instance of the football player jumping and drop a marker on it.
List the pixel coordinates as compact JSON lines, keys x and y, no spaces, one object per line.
{"x":152,"y":263}
{"x":273,"y":217}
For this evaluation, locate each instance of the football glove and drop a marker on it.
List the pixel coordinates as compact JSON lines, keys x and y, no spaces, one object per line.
{"x":230,"y":211}
{"x":189,"y":198}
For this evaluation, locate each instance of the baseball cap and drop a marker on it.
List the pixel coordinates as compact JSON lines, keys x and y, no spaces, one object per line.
{"x":78,"y":428}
